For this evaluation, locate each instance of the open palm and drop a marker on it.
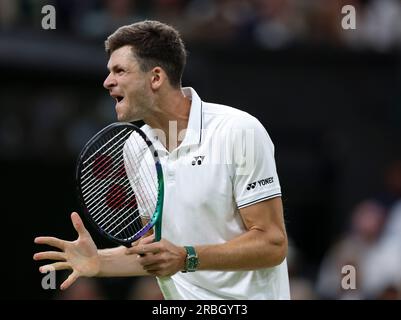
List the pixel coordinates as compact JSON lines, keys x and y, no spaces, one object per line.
{"x":81,"y":255}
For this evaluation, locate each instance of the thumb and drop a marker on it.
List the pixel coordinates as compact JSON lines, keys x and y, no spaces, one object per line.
{"x":78,"y":224}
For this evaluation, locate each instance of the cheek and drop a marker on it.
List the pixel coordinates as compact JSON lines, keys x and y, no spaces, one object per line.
{"x":142,"y":95}
{"x":135,"y":91}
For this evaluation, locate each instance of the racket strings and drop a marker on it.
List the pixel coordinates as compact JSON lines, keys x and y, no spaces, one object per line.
{"x":94,"y":180}
{"x":122,"y":200}
{"x":94,"y":192}
{"x":106,"y":183}
{"x":104,"y":225}
{"x":111,"y":136}
{"x":141,"y":171}
{"x":98,"y":165}
{"x":146,"y":179}
{"x":98,"y":173}
{"x":115,"y":145}
{"x":115,"y":202}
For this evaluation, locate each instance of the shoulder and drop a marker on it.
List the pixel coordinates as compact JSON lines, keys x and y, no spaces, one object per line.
{"x":229,"y":117}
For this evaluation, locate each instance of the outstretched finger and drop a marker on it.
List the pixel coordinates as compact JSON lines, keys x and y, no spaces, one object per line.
{"x":50,"y":255}
{"x":55,"y":266}
{"x":78,"y":224}
{"x":70,"y":280}
{"x":51,"y":241}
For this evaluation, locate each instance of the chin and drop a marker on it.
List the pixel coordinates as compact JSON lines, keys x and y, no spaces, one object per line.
{"x":120,"y":117}
{"x":124,"y":118}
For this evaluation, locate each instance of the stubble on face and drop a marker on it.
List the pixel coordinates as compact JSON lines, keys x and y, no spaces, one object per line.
{"x":131,"y":84}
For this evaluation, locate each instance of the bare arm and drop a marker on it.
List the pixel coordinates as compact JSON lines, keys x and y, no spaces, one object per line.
{"x":116,"y":263}
{"x":263,"y":245}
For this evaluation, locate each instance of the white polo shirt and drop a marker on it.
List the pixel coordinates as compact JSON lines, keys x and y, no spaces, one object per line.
{"x":225,"y":162}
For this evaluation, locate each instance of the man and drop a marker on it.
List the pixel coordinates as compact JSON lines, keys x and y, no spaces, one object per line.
{"x":223,"y":233}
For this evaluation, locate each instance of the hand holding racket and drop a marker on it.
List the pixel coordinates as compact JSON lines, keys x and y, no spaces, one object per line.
{"x":161,"y":258}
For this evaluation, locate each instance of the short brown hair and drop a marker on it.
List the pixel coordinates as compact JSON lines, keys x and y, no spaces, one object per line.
{"x":153,"y":44}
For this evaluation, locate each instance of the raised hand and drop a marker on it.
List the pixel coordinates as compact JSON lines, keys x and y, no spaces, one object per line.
{"x":81,"y":255}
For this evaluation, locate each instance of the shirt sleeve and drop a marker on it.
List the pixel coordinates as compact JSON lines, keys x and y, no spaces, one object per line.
{"x":254,"y":173}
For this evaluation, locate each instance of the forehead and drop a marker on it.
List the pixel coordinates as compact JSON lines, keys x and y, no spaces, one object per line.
{"x":121,"y":56}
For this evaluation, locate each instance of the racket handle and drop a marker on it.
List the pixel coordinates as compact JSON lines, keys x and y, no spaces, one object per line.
{"x":158,"y":230}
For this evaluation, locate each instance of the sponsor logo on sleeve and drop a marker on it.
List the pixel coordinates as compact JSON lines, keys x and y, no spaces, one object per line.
{"x":260,"y":183}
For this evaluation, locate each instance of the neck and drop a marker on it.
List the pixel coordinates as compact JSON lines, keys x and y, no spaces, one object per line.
{"x":170,"y":115}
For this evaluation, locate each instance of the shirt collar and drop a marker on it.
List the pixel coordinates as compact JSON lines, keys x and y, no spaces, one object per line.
{"x":193,"y":134}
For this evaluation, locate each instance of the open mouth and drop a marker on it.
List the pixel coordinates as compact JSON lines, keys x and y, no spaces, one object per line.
{"x":119,"y":98}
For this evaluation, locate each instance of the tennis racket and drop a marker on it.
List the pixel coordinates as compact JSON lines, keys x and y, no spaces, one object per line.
{"x":120,"y":183}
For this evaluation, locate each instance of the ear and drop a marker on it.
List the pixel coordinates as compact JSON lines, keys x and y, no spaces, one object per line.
{"x":158,"y":77}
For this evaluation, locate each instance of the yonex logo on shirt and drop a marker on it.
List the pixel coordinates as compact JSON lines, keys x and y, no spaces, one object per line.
{"x":198,"y":160}
{"x":251,"y":186}
{"x":259,"y":183}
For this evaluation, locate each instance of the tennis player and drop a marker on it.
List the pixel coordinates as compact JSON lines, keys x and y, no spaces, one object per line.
{"x":223,"y":232}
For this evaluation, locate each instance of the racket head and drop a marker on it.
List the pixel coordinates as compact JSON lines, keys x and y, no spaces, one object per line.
{"x":113,"y":199}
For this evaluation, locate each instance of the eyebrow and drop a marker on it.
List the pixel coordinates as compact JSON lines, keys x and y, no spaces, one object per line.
{"x":116,"y":66}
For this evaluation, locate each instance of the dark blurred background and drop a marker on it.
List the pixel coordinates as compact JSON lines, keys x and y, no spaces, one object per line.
{"x":330,"y":99}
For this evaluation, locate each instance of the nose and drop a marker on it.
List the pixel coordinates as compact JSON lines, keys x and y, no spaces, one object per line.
{"x":109,"y":82}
